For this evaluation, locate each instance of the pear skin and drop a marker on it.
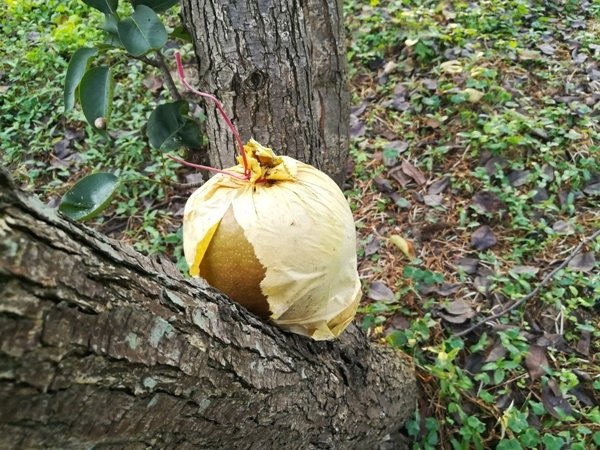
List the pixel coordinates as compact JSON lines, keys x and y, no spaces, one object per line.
{"x":231,"y":266}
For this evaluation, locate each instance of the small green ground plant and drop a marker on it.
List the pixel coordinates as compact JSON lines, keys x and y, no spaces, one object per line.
{"x":136,"y":30}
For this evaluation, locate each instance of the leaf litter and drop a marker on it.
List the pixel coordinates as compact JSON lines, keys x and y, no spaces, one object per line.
{"x":494,"y":191}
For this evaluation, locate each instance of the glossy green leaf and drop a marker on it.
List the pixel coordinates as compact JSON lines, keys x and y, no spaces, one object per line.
{"x":95,"y":94}
{"x":106,"y":6}
{"x":77,"y":67}
{"x":142,"y":31}
{"x":112,"y":33}
{"x":169,"y":128}
{"x":89,"y":196}
{"x":156,"y":5}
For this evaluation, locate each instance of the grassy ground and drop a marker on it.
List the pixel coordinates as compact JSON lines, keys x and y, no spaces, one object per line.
{"x":476,"y":174}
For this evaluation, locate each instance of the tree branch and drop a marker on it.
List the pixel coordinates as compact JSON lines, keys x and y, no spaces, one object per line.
{"x":533,"y":293}
{"x":102,"y":347}
{"x":161,"y":64}
{"x":164,"y":68}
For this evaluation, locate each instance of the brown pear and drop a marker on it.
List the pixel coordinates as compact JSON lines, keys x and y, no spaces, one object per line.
{"x":231,"y":266}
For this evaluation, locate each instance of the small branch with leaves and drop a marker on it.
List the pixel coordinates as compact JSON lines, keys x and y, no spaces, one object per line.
{"x":141,"y":35}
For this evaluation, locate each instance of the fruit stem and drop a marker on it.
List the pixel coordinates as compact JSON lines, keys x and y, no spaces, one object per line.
{"x":212,"y":169}
{"x":220,"y":108}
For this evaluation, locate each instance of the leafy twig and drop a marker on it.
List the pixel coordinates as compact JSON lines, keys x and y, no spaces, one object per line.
{"x":533,"y":293}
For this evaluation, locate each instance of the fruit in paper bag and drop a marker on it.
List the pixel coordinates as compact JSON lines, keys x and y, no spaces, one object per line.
{"x":278,"y":238}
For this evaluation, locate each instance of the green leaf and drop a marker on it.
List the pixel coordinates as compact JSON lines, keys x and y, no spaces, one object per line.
{"x":95,"y":95}
{"x":142,"y":31}
{"x":112,"y":34}
{"x":77,"y":67}
{"x":156,"y":5}
{"x":106,"y":6}
{"x":169,"y":128}
{"x":509,"y":444}
{"x":552,"y":442}
{"x":89,"y":197}
{"x":110,"y":24}
{"x":517,"y":421}
{"x":530,"y":438}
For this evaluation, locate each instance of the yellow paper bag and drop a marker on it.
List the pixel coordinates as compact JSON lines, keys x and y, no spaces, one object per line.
{"x":282,"y":243}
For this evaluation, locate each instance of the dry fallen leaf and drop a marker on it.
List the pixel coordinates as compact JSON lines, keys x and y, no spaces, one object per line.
{"x":383,"y":185}
{"x":357,"y":110}
{"x":430,"y":84}
{"x":433,"y":200}
{"x":372,"y":246}
{"x":398,"y":175}
{"x":447,"y":289}
{"x":536,"y":362}
{"x":483,"y":238}
{"x":380,"y":292}
{"x":485,"y":201}
{"x":498,"y":351}
{"x":585,"y":396}
{"x":458,"y":307}
{"x":592,"y":188}
{"x":400,"y":322}
{"x":357,"y":127}
{"x":518,"y":177}
{"x":467,"y":265}
{"x":540,"y":195}
{"x":555,"y":403}
{"x":439,"y":186}
{"x":547,"y":49}
{"x":413,"y":172}
{"x":473,"y":95}
{"x":404,"y":245}
{"x":457,"y":320}
{"x":452,"y":67}
{"x":523,"y":270}
{"x":584,"y":342}
{"x":563,"y":227}
{"x":583,"y":262}
{"x":457,"y":312}
{"x":495,"y":164}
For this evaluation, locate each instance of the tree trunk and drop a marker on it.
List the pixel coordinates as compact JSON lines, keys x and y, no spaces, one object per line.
{"x":101,"y":347}
{"x":279,"y":67}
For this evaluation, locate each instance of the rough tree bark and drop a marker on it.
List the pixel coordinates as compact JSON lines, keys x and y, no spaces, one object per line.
{"x":279,"y":67}
{"x":101,"y":347}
